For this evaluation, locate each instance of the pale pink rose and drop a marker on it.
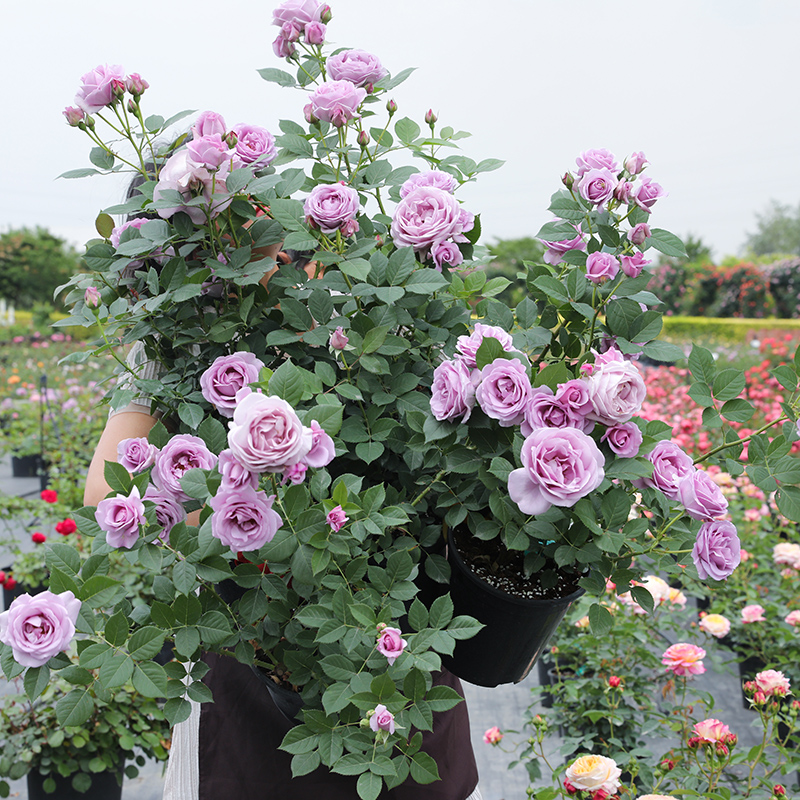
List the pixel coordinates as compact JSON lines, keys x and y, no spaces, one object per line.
{"x":772,"y":682}
{"x":99,"y":87}
{"x":391,"y":644}
{"x":594,"y":773}
{"x":92,"y":297}
{"x":715,"y":625}
{"x":677,"y":597}
{"x":711,"y":730}
{"x":657,"y":587}
{"x":786,"y":553}
{"x":381,"y":719}
{"x":753,"y":613}
{"x":632,"y":265}
{"x":684,"y":659}
{"x":617,"y":391}
{"x":336,"y":518}
{"x":468,"y":346}
{"x":793,"y":618}
{"x":208,"y":124}
{"x":493,"y":735}
{"x":635,"y":163}
{"x":597,"y":158}
{"x":338,"y":340}
{"x":597,"y":186}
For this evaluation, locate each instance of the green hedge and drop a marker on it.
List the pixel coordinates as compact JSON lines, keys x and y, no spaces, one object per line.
{"x":733,"y":329}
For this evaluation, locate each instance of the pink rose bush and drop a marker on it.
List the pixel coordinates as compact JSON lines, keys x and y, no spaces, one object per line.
{"x":356,"y":66}
{"x":772,"y":683}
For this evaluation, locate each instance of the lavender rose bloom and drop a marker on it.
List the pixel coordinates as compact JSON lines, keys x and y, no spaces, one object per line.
{"x":208,"y":124}
{"x":190,"y":179}
{"x":575,"y":395}
{"x":556,"y":250}
{"x":234,"y":475}
{"x":255,"y":146}
{"x":210,"y":152}
{"x":601,"y":267}
{"x":322,"y":448}
{"x":617,"y":390}
{"x":446,"y":253}
{"x":266,"y":434}
{"x":136,"y":454}
{"x":716,"y":552}
{"x":331,"y":206}
{"x":118,"y":229}
{"x":427,"y":215}
{"x":120,"y":517}
{"x":244,"y":519}
{"x":597,"y":158}
{"x":432,"y":177}
{"x":635,"y":162}
{"x":624,"y":439}
{"x":336,"y":102}
{"x":632,"y":265}
{"x":559,"y":467}
{"x":597,"y":186}
{"x":338,"y":340}
{"x":701,"y":497}
{"x":169,"y":512}
{"x":391,"y":644}
{"x":39,"y":627}
{"x":356,"y":66}
{"x":504,"y":391}
{"x":647,"y":194}
{"x":98,"y":87}
{"x":452,"y":392}
{"x":315,"y":33}
{"x":670,"y":466}
{"x":546,"y":410}
{"x":180,"y":454}
{"x":297,"y":12}
{"x":468,"y":346}
{"x":226,"y":376}
{"x":639,"y":234}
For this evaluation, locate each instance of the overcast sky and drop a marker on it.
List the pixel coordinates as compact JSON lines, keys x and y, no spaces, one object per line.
{"x":704,"y":87}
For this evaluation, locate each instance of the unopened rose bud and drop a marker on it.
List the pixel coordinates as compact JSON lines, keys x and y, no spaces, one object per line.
{"x":309,"y":115}
{"x":731,"y":739}
{"x":635,"y":163}
{"x":778,"y":790}
{"x":601,"y":794}
{"x":639,"y":233}
{"x":117,"y":88}
{"x":131,"y":105}
{"x":74,"y":116}
{"x":2,"y":577}
{"x":89,"y":121}
{"x":325,"y":14}
{"x":568,"y":180}
{"x":722,"y":750}
{"x":759,"y":698}
{"x":338,"y":340}
{"x":667,"y":765}
{"x":38,"y":538}
{"x":363,"y":138}
{"x":92,"y":297}
{"x":391,"y":107}
{"x":349,"y":228}
{"x":369,"y":88}
{"x":379,"y":241}
{"x":315,"y":33}
{"x":136,"y":84}
{"x":570,"y":788}
{"x":430,"y":117}
{"x":694,"y":742}
{"x":614,"y":681}
{"x":231,"y":139}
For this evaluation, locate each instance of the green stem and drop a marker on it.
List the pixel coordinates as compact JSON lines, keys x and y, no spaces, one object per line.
{"x":439,"y":475}
{"x":725,"y":446}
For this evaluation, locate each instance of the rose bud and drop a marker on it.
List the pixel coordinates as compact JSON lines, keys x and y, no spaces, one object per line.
{"x":568,"y":180}
{"x":117,"y":88}
{"x":230,"y":139}
{"x":391,"y":107}
{"x":74,"y":116}
{"x":338,"y":340}
{"x":38,"y":538}
{"x":430,"y":117}
{"x":2,"y":576}
{"x":369,"y":87}
{"x":667,"y":764}
{"x":11,"y":583}
{"x":363,"y":138}
{"x":722,"y":750}
{"x":92,"y":299}
{"x":778,"y":790}
{"x":136,"y":84}
{"x":325,"y":14}
{"x":614,"y":681}
{"x":132,"y":106}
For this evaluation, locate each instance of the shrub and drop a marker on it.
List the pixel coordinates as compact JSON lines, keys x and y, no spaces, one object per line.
{"x":784,"y":285}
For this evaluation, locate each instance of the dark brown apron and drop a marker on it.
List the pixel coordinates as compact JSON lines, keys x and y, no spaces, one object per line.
{"x":241,"y":730}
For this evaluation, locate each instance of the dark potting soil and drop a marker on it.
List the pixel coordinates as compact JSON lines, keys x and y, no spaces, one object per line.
{"x":505,"y":570}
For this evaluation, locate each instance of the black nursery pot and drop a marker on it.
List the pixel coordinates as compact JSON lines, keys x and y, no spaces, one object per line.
{"x":105,"y":786}
{"x":10,"y":595}
{"x":516,"y":633}
{"x":26,"y":466}
{"x":286,"y":701}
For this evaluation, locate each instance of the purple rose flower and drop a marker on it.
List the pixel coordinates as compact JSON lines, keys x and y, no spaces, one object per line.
{"x":226,"y":376}
{"x":647,"y":194}
{"x":598,"y":158}
{"x":315,"y":33}
{"x":504,"y":391}
{"x":336,"y":102}
{"x":632,"y":265}
{"x":136,"y":454}
{"x":701,"y":497}
{"x":243,"y":518}
{"x":136,"y":84}
{"x":670,"y":466}
{"x":283,"y":47}
{"x":169,"y":512}
{"x":597,"y":186}
{"x":210,"y":152}
{"x":39,"y":627}
{"x":336,"y":518}
{"x":446,"y":253}
{"x":575,"y":395}
{"x":391,"y":644}
{"x":234,"y":475}
{"x":432,"y":177}
{"x":120,"y":517}
{"x":622,"y":191}
{"x":468,"y":346}
{"x":266,"y":435}
{"x":381,"y":719}
{"x":356,"y":66}
{"x":545,"y":410}
{"x":99,"y":87}
{"x":180,"y":454}
{"x":91,"y":297}
{"x":635,"y":163}
{"x":190,"y":179}
{"x":617,"y":390}
{"x":716,"y":552}
{"x":208,"y":124}
{"x":601,"y":267}
{"x":296,"y":474}
{"x":453,"y":391}
{"x":297,"y":12}
{"x":331,"y":206}
{"x":427,"y":215}
{"x":118,"y":229}
{"x":338,"y":340}
{"x":322,"y":447}
{"x":74,"y":116}
{"x":255,"y":146}
{"x":624,"y":439}
{"x":559,"y":467}
{"x":556,"y":250}
{"x":639,"y":234}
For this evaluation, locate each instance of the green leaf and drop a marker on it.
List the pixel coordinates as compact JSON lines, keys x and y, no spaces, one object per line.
{"x":701,"y":364}
{"x":728,"y":384}
{"x":287,"y":382}
{"x":116,"y":629}
{"x":116,"y":671}
{"x":74,"y":708}
{"x":150,"y":679}
{"x":184,"y":576}
{"x":374,"y":338}
{"x":600,"y":619}
{"x":667,"y":243}
{"x":423,"y":768}
{"x":701,"y":394}
{"x":177,"y":709}
{"x":406,"y":129}
{"x":99,"y":590}
{"x":788,"y":500}
{"x":104,"y":225}
{"x":277,"y":76}
{"x":117,"y":477}
{"x":490,"y":349}
{"x":145,"y":643}
{"x":213,"y":627}
{"x":213,"y":433}
{"x":369,"y":786}
{"x":737,"y":410}
{"x":35,"y":681}
{"x":425,"y":281}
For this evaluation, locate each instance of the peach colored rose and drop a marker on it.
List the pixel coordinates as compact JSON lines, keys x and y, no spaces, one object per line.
{"x":793,"y":618}
{"x":593,"y":773}
{"x":772,"y":682}
{"x":711,"y":730}
{"x":786,"y":553}
{"x":684,"y":659}
{"x":715,"y":625}
{"x":753,"y":613}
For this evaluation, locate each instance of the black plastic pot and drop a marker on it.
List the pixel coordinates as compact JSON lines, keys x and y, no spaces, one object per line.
{"x":516,"y":630}
{"x":26,"y":466}
{"x":105,"y":786}
{"x":9,"y":595}
{"x":286,"y":701}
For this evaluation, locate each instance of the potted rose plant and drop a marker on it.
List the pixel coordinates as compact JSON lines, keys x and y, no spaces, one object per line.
{"x":335,"y":426}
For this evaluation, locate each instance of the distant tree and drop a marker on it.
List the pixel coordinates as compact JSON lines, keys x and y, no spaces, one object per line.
{"x":778,"y":231}
{"x":509,"y":257}
{"x":33,"y":263}
{"x":697,"y":251}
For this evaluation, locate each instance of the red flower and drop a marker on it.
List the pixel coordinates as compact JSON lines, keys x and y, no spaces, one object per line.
{"x":39,"y":538}
{"x":2,"y":577}
{"x":614,"y":681}
{"x":66,"y":527}
{"x":10,"y":583}
{"x":49,"y":496}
